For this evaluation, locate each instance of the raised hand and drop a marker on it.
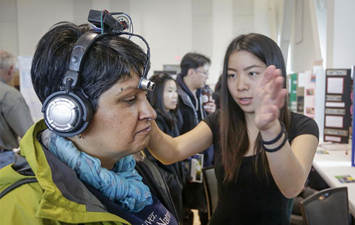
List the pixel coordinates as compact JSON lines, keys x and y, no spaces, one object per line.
{"x":269,"y":98}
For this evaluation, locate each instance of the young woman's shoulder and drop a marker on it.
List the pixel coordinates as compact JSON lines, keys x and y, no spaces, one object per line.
{"x":212,"y":120}
{"x":301,"y":124}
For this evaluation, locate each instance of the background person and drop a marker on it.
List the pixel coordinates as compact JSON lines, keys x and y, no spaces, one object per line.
{"x":15,"y":116}
{"x":193,"y":77}
{"x":164,"y":100}
{"x":263,"y":153}
{"x":88,"y":177}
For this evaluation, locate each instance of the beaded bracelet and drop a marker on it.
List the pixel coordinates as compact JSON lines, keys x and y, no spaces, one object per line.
{"x":273,"y":141}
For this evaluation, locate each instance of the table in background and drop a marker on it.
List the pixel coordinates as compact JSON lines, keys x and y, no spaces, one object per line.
{"x":336,"y":163}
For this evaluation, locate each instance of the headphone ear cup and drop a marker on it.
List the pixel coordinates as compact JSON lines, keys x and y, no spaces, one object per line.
{"x":67,"y":113}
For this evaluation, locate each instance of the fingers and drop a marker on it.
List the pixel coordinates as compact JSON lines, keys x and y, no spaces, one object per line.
{"x":264,"y":120}
{"x":276,"y":86}
{"x":280,"y":100}
{"x":271,"y":97}
{"x":268,"y":74}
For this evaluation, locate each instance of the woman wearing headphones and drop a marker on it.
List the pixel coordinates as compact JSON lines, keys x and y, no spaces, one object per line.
{"x":84,"y":172}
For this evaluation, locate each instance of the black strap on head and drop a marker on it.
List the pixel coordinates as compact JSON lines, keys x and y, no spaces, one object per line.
{"x":144,"y":83}
{"x":81,"y":46}
{"x":146,"y":64}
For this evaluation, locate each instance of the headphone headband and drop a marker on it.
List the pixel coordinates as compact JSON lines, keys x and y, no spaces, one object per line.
{"x":81,"y":47}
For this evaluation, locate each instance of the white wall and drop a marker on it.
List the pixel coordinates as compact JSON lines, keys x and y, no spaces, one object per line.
{"x":35,"y":17}
{"x":305,"y":45}
{"x":8,"y":26}
{"x":344,"y":34}
{"x":167,"y":26}
{"x":222,"y":34}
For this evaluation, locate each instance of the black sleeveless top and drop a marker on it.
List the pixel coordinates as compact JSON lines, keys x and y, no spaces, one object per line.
{"x":252,"y":199}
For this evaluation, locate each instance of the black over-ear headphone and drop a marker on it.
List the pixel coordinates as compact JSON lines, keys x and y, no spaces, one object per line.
{"x":68,"y":112}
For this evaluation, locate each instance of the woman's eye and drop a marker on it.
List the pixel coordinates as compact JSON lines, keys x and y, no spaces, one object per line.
{"x":231,"y":75}
{"x":130,"y":100}
{"x":253,"y":74}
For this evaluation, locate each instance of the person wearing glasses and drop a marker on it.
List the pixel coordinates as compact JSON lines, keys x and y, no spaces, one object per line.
{"x":191,"y":80}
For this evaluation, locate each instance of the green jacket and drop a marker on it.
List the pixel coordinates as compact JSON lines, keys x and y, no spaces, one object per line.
{"x":57,"y":198}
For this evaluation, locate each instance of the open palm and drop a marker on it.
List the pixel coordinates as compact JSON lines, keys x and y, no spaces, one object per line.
{"x":269,"y":98}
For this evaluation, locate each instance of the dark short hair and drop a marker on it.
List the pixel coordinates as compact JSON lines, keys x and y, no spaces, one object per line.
{"x":156,"y":97}
{"x":192,"y":61}
{"x":109,"y":59}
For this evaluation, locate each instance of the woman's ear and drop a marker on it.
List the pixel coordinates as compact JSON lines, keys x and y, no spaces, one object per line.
{"x":190,"y":71}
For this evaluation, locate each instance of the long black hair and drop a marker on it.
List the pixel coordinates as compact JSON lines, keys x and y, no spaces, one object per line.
{"x":156,"y":99}
{"x":234,"y":138}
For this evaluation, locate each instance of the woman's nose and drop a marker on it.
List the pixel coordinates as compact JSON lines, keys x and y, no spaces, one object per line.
{"x":242,"y":83}
{"x":175,"y":95}
{"x":147,"y":111}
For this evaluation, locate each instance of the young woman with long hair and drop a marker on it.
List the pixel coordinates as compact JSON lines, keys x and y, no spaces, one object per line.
{"x":263,"y":153}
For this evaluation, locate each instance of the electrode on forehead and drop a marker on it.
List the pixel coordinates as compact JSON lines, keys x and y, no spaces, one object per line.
{"x":146,"y":84}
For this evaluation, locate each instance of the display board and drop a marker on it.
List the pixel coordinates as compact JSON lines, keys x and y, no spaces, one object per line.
{"x":337,"y":117}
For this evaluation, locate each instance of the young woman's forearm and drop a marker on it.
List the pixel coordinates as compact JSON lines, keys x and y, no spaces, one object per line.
{"x":169,"y":150}
{"x":162,"y":146}
{"x":291,"y":164}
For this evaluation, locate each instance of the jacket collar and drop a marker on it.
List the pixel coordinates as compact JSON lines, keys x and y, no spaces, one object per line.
{"x":65,"y":197}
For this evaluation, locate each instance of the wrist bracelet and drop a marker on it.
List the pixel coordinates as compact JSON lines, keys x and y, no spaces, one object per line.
{"x":278,"y":147}
{"x":273,"y":141}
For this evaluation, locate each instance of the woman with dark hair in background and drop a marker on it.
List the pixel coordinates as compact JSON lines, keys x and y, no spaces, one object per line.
{"x":263,"y":153}
{"x":164,"y":100}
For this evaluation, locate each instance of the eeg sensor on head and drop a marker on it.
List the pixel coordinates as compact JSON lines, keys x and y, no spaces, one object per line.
{"x":68,"y":112}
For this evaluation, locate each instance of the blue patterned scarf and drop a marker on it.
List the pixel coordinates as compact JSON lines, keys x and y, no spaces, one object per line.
{"x":122,"y":184}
